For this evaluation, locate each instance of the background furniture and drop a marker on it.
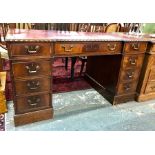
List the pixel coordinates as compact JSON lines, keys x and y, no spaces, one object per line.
{"x":146,"y":87}
{"x":113,"y":27}
{"x":113,"y":67}
{"x":3,"y":107}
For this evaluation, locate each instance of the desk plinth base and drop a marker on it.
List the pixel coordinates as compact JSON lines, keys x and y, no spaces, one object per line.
{"x":145,"y":97}
{"x":32,"y":117}
{"x":111,"y":97}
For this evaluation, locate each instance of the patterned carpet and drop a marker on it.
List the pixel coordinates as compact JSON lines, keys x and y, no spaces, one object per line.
{"x":61,"y":77}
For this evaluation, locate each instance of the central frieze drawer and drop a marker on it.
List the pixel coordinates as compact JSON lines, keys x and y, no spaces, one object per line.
{"x":32,"y":103}
{"x":31,"y":49}
{"x":88,"y":47}
{"x":32,"y":85}
{"x":31,"y":68}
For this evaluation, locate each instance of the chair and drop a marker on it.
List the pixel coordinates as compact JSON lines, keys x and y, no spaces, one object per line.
{"x":82,"y":27}
{"x":113,"y":27}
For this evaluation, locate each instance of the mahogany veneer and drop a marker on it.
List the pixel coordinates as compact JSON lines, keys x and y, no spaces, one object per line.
{"x":113,"y":68}
{"x":146,"y":87}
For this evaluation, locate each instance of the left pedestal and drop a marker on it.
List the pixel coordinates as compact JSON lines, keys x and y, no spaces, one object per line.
{"x":31,"y":72}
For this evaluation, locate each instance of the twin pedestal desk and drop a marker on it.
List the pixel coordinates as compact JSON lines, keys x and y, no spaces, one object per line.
{"x":120,"y":66}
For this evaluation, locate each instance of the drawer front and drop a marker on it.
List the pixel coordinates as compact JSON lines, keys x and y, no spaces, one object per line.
{"x":129,"y":87}
{"x":132,"y":61}
{"x":103,"y":47}
{"x":33,"y":85}
{"x":30,"y":69}
{"x":129,"y":74}
{"x":89,"y":47}
{"x":32,"y":103}
{"x":135,"y":47}
{"x":152,"y":74}
{"x":30,"y":49}
{"x":68,"y":48}
{"x":111,"y":47}
{"x":150,"y":88}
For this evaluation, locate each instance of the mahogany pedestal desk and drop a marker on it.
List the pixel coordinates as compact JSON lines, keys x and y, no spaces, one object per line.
{"x":113,"y":67}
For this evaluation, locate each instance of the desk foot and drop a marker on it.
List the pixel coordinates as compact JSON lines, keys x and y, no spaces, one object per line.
{"x":32,"y":117}
{"x":145,"y":97}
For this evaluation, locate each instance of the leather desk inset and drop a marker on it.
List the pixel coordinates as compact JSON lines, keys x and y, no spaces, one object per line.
{"x":113,"y":68}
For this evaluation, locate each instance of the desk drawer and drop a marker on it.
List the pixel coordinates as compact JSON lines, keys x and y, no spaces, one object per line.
{"x":68,"y":48}
{"x":129,"y":74}
{"x":128,"y":87}
{"x":111,"y":47}
{"x":152,"y":74}
{"x":30,"y":68}
{"x":132,"y":61}
{"x":88,"y":48}
{"x":32,"y":103}
{"x":150,"y":88}
{"x":32,"y":85}
{"x":30,"y":49}
{"x":135,"y":47}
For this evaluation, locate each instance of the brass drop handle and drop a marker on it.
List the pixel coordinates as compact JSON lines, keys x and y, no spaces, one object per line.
{"x":33,"y":101}
{"x":111,"y":47}
{"x":127,"y":87}
{"x":32,"y":68}
{"x":33,"y":85}
{"x":135,"y":46}
{"x":32,"y":49}
{"x":69,"y":48}
{"x":132,"y":61}
{"x":130,"y":74}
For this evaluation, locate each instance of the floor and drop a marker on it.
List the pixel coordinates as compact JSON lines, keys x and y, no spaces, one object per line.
{"x":87,"y":110}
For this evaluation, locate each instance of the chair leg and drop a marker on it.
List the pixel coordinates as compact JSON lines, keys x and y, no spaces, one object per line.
{"x":72,"y":67}
{"x":82,"y":66}
{"x":66,"y":63}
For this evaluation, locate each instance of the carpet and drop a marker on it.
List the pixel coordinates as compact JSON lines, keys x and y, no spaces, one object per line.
{"x":2,"y":122}
{"x":61,"y":77}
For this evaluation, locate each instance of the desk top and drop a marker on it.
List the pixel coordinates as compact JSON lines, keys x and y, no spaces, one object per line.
{"x":23,"y":35}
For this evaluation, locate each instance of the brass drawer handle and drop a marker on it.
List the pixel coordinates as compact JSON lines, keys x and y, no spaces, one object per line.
{"x":32,"y":49}
{"x":33,"y":85}
{"x":130,"y":74}
{"x":69,"y":48}
{"x":32,"y":68}
{"x":33,"y":101}
{"x":127,"y":87}
{"x":135,"y":46}
{"x":111,"y":47}
{"x":132,"y":61}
